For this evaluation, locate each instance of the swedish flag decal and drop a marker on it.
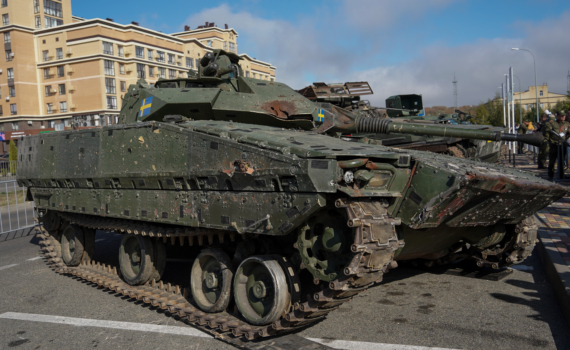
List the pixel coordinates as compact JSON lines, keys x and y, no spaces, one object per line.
{"x":145,"y":106}
{"x":321,"y":116}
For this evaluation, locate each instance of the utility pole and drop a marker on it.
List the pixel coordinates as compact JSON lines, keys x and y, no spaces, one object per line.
{"x":455,"y":92}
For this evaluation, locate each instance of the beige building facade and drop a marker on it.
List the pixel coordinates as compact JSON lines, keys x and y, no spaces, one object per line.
{"x":546,"y":99}
{"x":61,"y":70}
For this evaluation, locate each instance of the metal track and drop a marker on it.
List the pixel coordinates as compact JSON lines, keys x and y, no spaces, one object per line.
{"x":375,"y":242}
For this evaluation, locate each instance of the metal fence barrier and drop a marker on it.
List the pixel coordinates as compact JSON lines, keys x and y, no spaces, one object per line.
{"x":15,"y":212}
{"x":8,"y":170}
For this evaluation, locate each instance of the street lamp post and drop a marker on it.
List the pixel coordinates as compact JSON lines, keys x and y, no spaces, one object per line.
{"x":535,"y":84}
{"x":520,"y":100}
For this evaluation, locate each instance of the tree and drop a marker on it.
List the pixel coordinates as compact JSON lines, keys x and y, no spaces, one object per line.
{"x":12,"y":156}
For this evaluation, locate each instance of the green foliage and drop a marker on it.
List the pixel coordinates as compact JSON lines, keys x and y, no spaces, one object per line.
{"x":490,"y":112}
{"x":12,"y":156}
{"x":13,"y":151}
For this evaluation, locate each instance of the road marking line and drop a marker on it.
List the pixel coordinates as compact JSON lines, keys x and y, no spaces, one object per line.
{"x":7,"y":266}
{"x":105,"y":324}
{"x":189,"y":331}
{"x":522,"y":267}
{"x":359,"y":345}
{"x":36,"y":258}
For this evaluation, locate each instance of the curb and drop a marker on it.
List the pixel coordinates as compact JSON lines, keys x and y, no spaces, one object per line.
{"x":557,"y":271}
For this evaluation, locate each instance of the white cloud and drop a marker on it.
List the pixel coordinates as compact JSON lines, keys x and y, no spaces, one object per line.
{"x":303,"y":51}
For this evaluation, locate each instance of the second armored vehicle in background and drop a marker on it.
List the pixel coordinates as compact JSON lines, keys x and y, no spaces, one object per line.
{"x":404,"y":108}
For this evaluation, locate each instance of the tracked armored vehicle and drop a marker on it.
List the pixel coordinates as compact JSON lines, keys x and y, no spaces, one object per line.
{"x":284,"y":222}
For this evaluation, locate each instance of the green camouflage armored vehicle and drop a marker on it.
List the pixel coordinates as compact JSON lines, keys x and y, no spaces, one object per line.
{"x":284,"y":222}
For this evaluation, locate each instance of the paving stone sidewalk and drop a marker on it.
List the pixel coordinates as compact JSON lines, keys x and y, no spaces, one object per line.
{"x":553,"y":234}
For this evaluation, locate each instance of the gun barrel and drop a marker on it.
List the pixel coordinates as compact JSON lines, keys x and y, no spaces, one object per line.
{"x":387,"y":126}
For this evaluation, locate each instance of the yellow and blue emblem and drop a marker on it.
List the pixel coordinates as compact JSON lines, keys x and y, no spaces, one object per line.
{"x":145,"y":107}
{"x":321,"y":115}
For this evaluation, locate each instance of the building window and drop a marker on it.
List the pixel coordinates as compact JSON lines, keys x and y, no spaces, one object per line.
{"x":49,"y":108}
{"x":107,"y":48}
{"x":189,"y":62}
{"x":540,"y":93}
{"x":47,"y":73}
{"x":59,"y":53}
{"x":150,"y":71}
{"x":10,"y":73}
{"x":160,"y":56}
{"x":47,"y":89}
{"x":150,"y":53}
{"x":197,"y":61}
{"x":171,"y":74}
{"x":232,"y":47}
{"x":5,"y":19}
{"x":51,"y":124}
{"x":272,"y":80}
{"x":61,"y":89}
{"x":9,"y":56}
{"x":66,"y":122}
{"x":121,"y":68}
{"x":52,"y":22}
{"x":7,"y":37}
{"x":1,"y":113}
{"x":170,"y":58}
{"x":526,"y":106}
{"x":15,"y":125}
{"x":210,"y":43}
{"x":12,"y":91}
{"x":45,"y":55}
{"x":121,"y":51}
{"x":110,"y":86}
{"x":37,"y":6}
{"x":52,"y":8}
{"x":139,"y":51}
{"x":162,"y":73}
{"x":111,"y":102}
{"x":541,"y":105}
{"x":247,"y":74}
{"x":179,"y":62}
{"x":38,"y":22}
{"x":225,"y":45}
{"x":4,"y":3}
{"x":109,"y":67}
{"x":140,"y":71}
{"x":123,"y":86}
{"x":60,"y":72}
{"x":63,"y":107}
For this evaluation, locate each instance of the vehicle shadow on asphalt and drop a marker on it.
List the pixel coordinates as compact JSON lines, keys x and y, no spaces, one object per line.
{"x":537,"y":294}
{"x":23,"y":233}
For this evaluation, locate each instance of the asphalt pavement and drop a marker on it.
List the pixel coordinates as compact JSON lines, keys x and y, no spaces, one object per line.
{"x":412,"y":309}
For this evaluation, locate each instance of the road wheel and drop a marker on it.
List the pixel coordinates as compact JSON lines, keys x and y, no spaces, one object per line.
{"x":211,"y":280}
{"x":136,"y":255}
{"x":260,"y":290}
{"x":159,"y":259}
{"x":89,"y":244}
{"x":72,"y":245}
{"x":51,"y":221}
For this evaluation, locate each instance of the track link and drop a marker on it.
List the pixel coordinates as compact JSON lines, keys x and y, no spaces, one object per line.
{"x":375,"y":242}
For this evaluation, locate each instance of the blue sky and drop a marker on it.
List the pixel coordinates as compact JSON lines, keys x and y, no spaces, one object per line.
{"x":398,"y":46}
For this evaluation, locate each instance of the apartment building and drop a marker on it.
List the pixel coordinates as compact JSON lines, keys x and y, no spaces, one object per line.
{"x":60,"y":70}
